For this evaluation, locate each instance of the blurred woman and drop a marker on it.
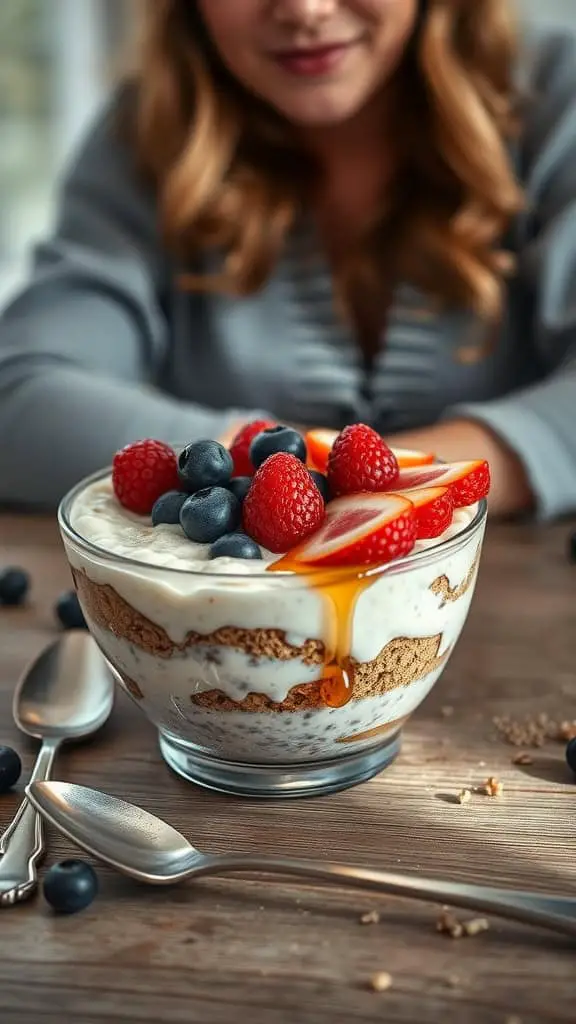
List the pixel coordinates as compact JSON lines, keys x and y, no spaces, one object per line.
{"x":320,"y":210}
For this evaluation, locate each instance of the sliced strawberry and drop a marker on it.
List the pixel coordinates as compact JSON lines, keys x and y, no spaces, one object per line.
{"x":434,"y":509}
{"x":468,"y":481}
{"x":319,"y":444}
{"x":361,"y":529}
{"x":408,"y":457}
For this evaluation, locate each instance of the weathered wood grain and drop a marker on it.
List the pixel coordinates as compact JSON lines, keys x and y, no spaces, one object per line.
{"x":284,"y":953}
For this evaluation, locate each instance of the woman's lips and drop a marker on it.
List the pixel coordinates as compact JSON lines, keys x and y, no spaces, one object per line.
{"x":319,"y":61}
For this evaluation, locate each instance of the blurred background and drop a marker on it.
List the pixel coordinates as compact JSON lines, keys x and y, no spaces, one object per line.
{"x":57,"y":60}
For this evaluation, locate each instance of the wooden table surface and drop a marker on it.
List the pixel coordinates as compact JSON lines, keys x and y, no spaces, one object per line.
{"x":228,"y":950}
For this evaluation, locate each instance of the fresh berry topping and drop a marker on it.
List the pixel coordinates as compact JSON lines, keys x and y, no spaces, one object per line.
{"x":320,"y":442}
{"x":167,"y":508}
{"x":361,"y":529}
{"x":319,"y":445}
{"x":361,"y":461}
{"x":572,"y":548}
{"x":277,"y":439}
{"x":469,"y":482}
{"x":70,"y":886}
{"x":204,"y":464}
{"x":434,"y":509}
{"x":571,"y":755}
{"x":141,"y":472}
{"x":321,"y":482}
{"x":14,"y":585}
{"x":240,"y":447}
{"x":284,"y":505}
{"x":209,"y":514}
{"x":10,"y":768}
{"x":240,"y":485}
{"x":235,"y":545}
{"x":69,"y":612}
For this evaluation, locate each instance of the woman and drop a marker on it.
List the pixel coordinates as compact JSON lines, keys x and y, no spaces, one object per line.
{"x":328,"y":210}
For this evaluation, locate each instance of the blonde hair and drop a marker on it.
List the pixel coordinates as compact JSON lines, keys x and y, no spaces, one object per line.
{"x":224,"y":165}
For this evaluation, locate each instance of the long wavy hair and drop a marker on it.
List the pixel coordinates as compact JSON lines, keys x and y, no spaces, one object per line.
{"x":228,"y":172}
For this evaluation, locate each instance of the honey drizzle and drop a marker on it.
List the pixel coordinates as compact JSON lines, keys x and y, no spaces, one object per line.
{"x":340,"y":590}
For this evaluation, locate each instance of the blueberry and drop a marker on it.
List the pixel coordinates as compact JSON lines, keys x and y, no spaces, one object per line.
{"x":572,"y":548}
{"x":10,"y":768}
{"x":14,"y":585}
{"x":69,"y":612}
{"x":277,"y":439}
{"x":209,"y":514}
{"x":70,"y":886}
{"x":240,"y":485}
{"x":235,"y":545}
{"x":204,"y":464}
{"x":167,"y":508}
{"x":322,"y":484}
{"x":571,"y":755}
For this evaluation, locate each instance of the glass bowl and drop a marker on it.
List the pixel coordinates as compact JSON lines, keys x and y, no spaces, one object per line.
{"x":271,"y":683}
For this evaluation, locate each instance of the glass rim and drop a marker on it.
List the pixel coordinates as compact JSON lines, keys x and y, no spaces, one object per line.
{"x":326,"y":573}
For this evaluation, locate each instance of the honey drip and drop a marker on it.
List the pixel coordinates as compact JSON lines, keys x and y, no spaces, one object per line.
{"x":340,"y":590}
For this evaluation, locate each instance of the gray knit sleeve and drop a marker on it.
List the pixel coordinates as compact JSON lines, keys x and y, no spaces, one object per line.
{"x":81,"y":344}
{"x":539,"y":422}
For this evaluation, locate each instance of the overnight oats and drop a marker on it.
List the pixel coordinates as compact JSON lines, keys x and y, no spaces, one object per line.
{"x":277,"y":609}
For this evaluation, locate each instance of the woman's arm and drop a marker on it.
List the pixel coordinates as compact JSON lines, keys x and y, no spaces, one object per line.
{"x":529,"y":436}
{"x":81,"y":344}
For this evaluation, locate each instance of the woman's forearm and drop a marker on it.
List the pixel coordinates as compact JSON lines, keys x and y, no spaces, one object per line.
{"x":461,"y":440}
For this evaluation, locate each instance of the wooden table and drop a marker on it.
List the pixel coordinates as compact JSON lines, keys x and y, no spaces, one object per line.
{"x":231,"y":950}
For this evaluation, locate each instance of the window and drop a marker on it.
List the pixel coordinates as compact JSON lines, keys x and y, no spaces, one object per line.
{"x":54,"y":56}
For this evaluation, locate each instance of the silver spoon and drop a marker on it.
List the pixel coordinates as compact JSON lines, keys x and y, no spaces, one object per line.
{"x":146,"y":848}
{"x":65,"y":694}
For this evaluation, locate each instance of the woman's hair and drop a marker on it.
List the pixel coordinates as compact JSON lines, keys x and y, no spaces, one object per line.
{"x":229,"y":174}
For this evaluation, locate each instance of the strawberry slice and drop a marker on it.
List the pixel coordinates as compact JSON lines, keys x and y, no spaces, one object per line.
{"x":361,"y":529}
{"x":434,"y":509}
{"x":468,"y":481}
{"x":319,"y":444}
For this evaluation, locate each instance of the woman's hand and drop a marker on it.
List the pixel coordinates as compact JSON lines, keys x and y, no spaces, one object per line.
{"x":462,"y":440}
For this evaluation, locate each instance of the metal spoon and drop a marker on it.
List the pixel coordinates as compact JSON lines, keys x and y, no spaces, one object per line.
{"x":146,"y":848}
{"x":66,"y":694}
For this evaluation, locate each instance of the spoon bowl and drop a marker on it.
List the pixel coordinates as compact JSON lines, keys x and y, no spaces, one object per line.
{"x":146,"y":848}
{"x":67,"y":692}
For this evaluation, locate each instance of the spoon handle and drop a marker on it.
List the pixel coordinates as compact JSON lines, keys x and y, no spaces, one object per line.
{"x":22,"y":845}
{"x":557,"y":913}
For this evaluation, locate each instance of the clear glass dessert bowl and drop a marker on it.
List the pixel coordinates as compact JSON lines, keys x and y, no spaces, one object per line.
{"x":273,"y":683}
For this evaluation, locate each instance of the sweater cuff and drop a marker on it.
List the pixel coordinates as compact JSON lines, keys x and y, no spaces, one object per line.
{"x":549,"y":464}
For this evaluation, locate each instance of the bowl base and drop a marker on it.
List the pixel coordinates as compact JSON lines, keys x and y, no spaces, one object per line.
{"x":312,"y":778}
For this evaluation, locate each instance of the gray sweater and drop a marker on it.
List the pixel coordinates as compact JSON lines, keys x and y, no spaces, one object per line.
{"x":101,"y":348}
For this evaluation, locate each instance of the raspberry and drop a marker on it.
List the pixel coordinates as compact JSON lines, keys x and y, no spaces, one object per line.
{"x":283,"y":505}
{"x":142,"y":472}
{"x":240,"y":446}
{"x":361,"y":461}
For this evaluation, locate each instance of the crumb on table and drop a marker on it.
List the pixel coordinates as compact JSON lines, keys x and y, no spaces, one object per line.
{"x":492,"y":787}
{"x":448,"y":924}
{"x":370,"y":917}
{"x":381,"y":981}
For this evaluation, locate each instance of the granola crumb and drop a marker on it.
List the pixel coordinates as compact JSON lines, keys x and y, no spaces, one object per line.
{"x":452,"y":980}
{"x":534,"y":731}
{"x":475,"y":926}
{"x":492,"y":787}
{"x":381,"y":981}
{"x":567,"y":731}
{"x":447,"y":711}
{"x":448,"y":924}
{"x":523,"y":758}
{"x":464,"y":796}
{"x":371,"y":917}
